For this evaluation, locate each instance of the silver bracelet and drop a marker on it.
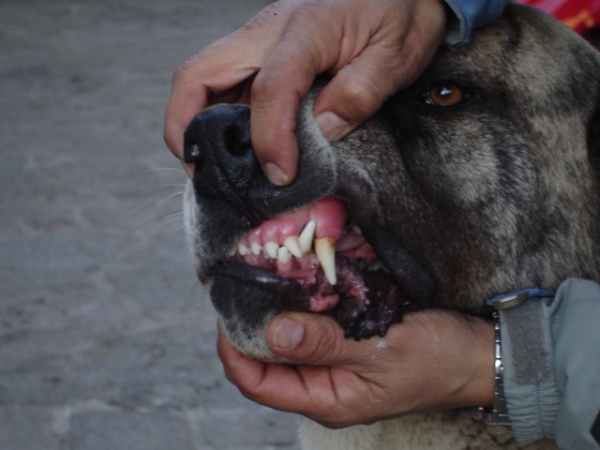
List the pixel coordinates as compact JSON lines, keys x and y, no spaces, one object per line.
{"x":498,"y":414}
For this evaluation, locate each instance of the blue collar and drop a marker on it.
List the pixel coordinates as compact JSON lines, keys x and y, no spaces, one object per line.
{"x":510,"y":300}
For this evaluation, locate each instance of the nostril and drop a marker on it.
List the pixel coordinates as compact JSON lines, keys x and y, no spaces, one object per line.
{"x":237,"y":140}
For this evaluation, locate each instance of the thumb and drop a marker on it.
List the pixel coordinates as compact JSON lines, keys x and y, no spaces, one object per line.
{"x":349,"y":99}
{"x":308,"y":339}
{"x":359,"y":89}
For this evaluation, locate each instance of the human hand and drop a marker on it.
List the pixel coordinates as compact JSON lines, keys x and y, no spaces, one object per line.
{"x":370,"y":48}
{"x":433,"y":360}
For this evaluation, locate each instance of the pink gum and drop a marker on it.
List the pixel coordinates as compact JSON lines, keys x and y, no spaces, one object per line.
{"x":329,"y":214}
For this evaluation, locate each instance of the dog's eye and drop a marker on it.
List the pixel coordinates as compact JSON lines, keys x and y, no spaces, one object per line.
{"x":446,"y":94}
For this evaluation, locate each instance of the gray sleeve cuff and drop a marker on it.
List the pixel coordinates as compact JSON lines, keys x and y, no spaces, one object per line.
{"x":532,"y":397}
{"x":466,"y":15}
{"x":533,"y":409}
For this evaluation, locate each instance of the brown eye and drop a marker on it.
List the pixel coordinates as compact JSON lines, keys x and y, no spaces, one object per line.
{"x":447,"y":94}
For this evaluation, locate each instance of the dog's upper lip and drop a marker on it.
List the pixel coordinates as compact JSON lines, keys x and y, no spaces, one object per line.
{"x":315,"y":227}
{"x":330,"y":216}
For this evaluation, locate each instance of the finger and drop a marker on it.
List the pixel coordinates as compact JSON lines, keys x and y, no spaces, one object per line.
{"x":219,"y":68}
{"x":350,"y":98}
{"x":193,"y":84}
{"x":278,"y":386}
{"x":359,"y":89}
{"x":235,"y":364}
{"x":304,"y":52}
{"x":355,"y":93}
{"x":314,"y":339}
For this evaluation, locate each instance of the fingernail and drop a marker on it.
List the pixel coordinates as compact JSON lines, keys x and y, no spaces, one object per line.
{"x":276,"y":174}
{"x":288,"y":334}
{"x":332,"y":126}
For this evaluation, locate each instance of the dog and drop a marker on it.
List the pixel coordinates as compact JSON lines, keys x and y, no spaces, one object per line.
{"x":480,"y":178}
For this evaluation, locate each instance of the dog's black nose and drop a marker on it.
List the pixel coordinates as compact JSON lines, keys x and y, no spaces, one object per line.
{"x":217,"y":141}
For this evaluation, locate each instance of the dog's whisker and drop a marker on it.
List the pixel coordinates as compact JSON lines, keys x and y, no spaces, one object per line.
{"x":154,"y":203}
{"x":162,"y":169}
{"x":166,"y":221}
{"x":169,"y":185}
{"x":174,"y":194}
{"x":177,"y":215}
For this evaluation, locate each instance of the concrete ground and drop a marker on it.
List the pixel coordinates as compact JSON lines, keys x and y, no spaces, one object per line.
{"x":106,"y":339}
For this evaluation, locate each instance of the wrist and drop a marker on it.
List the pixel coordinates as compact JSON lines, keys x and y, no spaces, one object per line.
{"x":464,"y":367}
{"x":480,"y":387}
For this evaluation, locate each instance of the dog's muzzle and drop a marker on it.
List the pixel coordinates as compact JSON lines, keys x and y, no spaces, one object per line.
{"x":290,"y":248}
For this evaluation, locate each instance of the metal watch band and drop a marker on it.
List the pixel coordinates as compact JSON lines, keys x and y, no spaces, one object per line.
{"x":498,"y":414}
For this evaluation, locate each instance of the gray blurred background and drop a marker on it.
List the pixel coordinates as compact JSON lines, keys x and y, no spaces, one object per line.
{"x":106,"y":339}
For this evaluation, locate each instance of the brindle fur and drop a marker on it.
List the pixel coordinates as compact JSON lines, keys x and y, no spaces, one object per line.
{"x":495,"y":194}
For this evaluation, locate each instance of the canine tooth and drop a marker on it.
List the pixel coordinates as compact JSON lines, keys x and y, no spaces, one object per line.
{"x":242,"y":249}
{"x":232,"y":251}
{"x":355,"y":228}
{"x":306,"y":236}
{"x":256,"y":248}
{"x":325,"y":250}
{"x":283,"y":255}
{"x":271,"y":249}
{"x":291,"y":243}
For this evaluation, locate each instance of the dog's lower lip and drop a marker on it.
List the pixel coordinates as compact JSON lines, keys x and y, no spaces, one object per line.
{"x":254,"y":274}
{"x":404,"y":267}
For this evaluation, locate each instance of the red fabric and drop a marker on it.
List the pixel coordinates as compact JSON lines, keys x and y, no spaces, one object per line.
{"x":581,"y":15}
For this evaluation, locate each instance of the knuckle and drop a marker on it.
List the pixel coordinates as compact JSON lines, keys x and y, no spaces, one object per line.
{"x":337,"y":417}
{"x":307,"y":13}
{"x":248,"y":393}
{"x":186,"y":69}
{"x":263,"y":17}
{"x":261,"y":85}
{"x":179,"y":73}
{"x":360,"y":96}
{"x":325,"y":344}
{"x":308,"y":24}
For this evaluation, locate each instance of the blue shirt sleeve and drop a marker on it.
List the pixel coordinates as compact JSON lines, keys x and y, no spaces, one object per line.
{"x":551,"y":359}
{"x":466,"y":15}
{"x":576,"y":335}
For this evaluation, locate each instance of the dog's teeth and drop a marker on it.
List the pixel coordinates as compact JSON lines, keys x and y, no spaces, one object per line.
{"x":256,"y":248}
{"x":355,"y":228}
{"x":232,"y":251}
{"x":242,"y":249}
{"x":305,"y":239}
{"x":283,"y":255}
{"x":291,"y":243}
{"x":325,"y":250}
{"x":271,"y":249}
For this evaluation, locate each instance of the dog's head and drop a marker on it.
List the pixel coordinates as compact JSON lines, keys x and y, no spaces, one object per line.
{"x":478,"y":179}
